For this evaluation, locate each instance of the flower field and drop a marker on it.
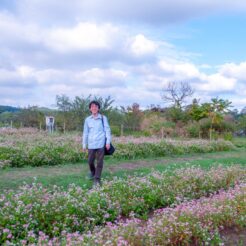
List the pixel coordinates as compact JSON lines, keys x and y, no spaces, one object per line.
{"x":197,"y":222}
{"x":29,"y":147}
{"x":194,"y":205}
{"x":181,"y":206}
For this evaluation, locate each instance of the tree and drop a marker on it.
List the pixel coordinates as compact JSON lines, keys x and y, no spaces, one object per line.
{"x":63,"y":103}
{"x":175,"y":114}
{"x":197,"y":112}
{"x":176,"y":93}
{"x":215,"y":111}
{"x":133,"y":116}
{"x":106,"y":103}
{"x":243,"y":111}
{"x":242,"y":124}
{"x":64,"y":116}
{"x":30,"y":116}
{"x":73,"y":112}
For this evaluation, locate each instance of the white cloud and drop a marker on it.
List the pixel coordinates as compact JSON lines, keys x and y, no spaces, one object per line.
{"x":180,"y":70}
{"x":99,"y":78}
{"x":218,"y":83}
{"x":15,"y":78}
{"x":141,"y":46}
{"x":205,"y":86}
{"x":83,"y":36}
{"x":234,"y":70}
{"x":25,"y":71}
{"x":55,"y":47}
{"x":114,"y":82}
{"x":80,"y":43}
{"x":33,"y":83}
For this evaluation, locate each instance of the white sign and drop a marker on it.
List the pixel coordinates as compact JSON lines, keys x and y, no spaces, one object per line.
{"x":50,"y":121}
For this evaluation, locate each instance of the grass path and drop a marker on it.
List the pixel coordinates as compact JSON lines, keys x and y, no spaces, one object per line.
{"x":77,"y":173}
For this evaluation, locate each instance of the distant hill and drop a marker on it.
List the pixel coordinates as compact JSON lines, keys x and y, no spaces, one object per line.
{"x":8,"y":109}
{"x":46,"y":110}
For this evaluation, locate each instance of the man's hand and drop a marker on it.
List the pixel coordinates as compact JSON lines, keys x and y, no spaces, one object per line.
{"x":84,"y":150}
{"x":107,"y":146}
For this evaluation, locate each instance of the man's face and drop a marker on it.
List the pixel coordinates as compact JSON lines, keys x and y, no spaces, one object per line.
{"x":94,"y":108}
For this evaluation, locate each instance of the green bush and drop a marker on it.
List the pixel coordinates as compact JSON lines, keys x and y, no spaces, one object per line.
{"x":39,"y":155}
{"x":193,"y":130}
{"x":218,"y":129}
{"x":228,"y":136}
{"x":53,"y":154}
{"x":115,"y":130}
{"x":137,"y":134}
{"x":163,"y":148}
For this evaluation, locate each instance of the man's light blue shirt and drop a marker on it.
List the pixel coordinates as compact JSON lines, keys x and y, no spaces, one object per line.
{"x":94,"y":134}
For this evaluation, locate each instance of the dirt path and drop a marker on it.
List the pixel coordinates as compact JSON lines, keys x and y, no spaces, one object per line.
{"x":111,"y":166}
{"x":131,"y":165}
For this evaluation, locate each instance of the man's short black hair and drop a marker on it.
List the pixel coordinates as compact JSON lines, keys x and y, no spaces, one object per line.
{"x":96,"y":103}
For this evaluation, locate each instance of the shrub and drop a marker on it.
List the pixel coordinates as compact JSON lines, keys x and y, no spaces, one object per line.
{"x":228,"y":136}
{"x":115,"y":130}
{"x":36,"y":149}
{"x":193,"y":130}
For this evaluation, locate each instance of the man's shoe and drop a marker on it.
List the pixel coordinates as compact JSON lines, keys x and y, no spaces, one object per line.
{"x":97,"y":182}
{"x":91,"y":176}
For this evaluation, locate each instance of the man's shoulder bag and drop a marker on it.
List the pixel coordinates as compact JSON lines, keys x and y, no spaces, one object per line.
{"x":111,"y":150}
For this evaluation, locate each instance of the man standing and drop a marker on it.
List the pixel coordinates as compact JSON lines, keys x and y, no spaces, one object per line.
{"x":96,"y":131}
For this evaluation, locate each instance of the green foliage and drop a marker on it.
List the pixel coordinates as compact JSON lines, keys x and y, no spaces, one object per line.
{"x":219,"y":129}
{"x":136,"y":134}
{"x":41,"y":154}
{"x":228,"y":136}
{"x":242,"y":123}
{"x":7,"y":117}
{"x":157,"y":126}
{"x":54,"y":150}
{"x":193,"y":130}
{"x":145,"y":150}
{"x":133,"y":117}
{"x":31,"y":116}
{"x":176,"y":114}
{"x":72,"y":113}
{"x":239,"y":142}
{"x":115,"y":130}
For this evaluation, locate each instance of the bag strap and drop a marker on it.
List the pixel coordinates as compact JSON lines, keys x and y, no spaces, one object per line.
{"x":104,"y":128}
{"x":103,"y":122}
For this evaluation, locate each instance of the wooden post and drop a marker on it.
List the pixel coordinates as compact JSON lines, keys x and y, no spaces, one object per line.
{"x":21,"y":124}
{"x":64,"y":127}
{"x":162,"y":132}
{"x":121,"y":130}
{"x":40,"y":126}
{"x":11,"y":124}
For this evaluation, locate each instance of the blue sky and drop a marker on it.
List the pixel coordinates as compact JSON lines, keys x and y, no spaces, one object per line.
{"x":219,"y":39}
{"x":128,"y":50}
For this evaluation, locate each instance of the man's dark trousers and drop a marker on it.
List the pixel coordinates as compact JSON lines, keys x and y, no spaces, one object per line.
{"x":99,"y":155}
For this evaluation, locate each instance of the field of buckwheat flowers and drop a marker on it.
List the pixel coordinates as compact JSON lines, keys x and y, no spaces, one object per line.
{"x":29,"y":147}
{"x":189,"y":205}
{"x":185,"y":206}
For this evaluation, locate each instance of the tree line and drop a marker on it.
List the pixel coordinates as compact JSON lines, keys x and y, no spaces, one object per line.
{"x":205,"y":120}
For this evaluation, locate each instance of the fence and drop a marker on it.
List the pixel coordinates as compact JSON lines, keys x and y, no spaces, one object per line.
{"x":117,"y":130}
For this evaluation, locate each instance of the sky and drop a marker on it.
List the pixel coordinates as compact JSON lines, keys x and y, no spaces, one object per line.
{"x":129,"y":50}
